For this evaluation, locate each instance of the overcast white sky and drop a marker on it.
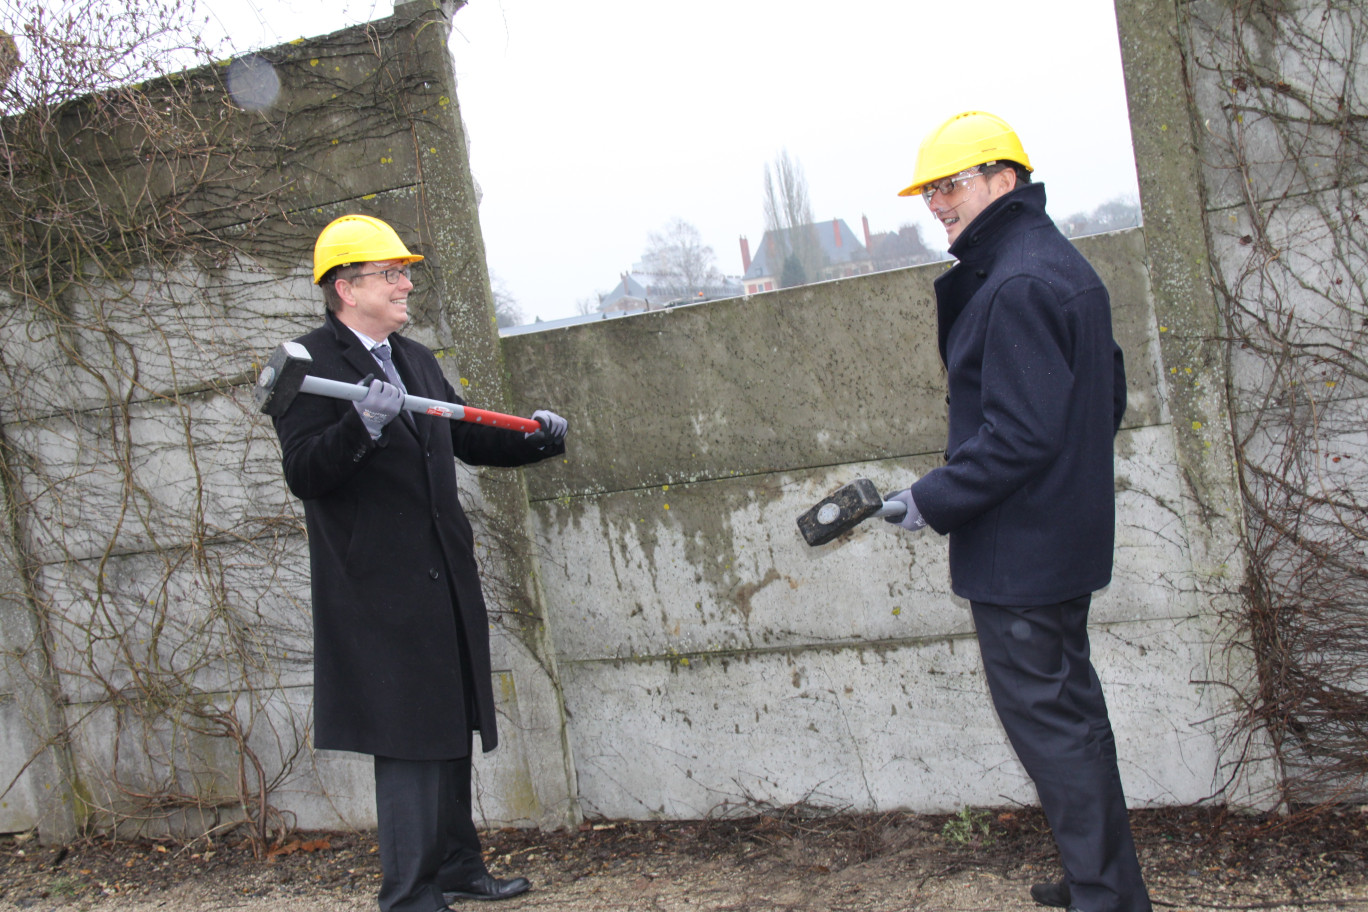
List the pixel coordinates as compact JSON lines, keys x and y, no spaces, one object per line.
{"x":595,"y":123}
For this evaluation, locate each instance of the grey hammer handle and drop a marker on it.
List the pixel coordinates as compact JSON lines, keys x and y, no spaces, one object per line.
{"x":892,"y":508}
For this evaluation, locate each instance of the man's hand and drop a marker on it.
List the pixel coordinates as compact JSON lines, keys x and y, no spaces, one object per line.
{"x":911,"y":520}
{"x":553,"y":427}
{"x":380,"y":406}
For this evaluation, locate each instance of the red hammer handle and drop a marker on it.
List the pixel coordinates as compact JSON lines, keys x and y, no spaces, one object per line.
{"x":500,"y":420}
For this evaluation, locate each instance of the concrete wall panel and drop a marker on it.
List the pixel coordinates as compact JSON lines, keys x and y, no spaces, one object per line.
{"x":870,"y":727}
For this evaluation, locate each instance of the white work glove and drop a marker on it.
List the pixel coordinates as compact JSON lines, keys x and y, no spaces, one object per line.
{"x":911,"y":520}
{"x":553,"y":428}
{"x":379,"y":408}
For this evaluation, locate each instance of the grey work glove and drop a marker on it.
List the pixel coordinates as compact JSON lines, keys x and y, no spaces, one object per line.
{"x":911,"y":520}
{"x":553,"y":428}
{"x":381,"y":404}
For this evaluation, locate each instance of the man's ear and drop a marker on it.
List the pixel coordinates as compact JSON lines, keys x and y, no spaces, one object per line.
{"x":344,"y":292}
{"x":1009,"y":175}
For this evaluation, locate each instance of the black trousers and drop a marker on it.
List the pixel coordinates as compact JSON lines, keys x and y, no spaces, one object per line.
{"x":1049,"y":699}
{"x":428,"y":840}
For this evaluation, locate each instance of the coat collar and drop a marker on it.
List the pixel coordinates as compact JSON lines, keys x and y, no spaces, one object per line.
{"x":353,"y":349}
{"x":977,"y":246}
{"x":354,"y":353}
{"x":1023,"y":208}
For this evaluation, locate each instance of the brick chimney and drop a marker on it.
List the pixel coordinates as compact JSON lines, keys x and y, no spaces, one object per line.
{"x":745,"y":255}
{"x":836,"y":230}
{"x":865,"y":220}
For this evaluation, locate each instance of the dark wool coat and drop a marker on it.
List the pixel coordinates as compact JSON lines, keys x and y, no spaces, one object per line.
{"x":1037,"y":391}
{"x":389,"y":545}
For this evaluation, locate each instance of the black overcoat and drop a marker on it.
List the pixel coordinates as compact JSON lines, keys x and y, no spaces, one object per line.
{"x":397,"y":605}
{"x":1037,"y":390}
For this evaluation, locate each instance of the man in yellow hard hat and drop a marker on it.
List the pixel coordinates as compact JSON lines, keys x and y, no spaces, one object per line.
{"x":1027,"y":495}
{"x":401,"y":633}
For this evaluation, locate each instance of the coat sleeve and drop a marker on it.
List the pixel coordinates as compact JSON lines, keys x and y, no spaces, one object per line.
{"x":1026,"y":387}
{"x":323,"y":444}
{"x":482,"y":445}
{"x":1118,"y":389}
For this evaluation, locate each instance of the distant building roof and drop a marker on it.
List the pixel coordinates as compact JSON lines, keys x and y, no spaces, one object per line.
{"x":566,"y":322}
{"x":839,"y":245}
{"x":647,"y":291}
{"x":629,"y":288}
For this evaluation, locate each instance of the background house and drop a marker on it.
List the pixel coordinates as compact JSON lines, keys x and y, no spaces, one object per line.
{"x":639,"y":291}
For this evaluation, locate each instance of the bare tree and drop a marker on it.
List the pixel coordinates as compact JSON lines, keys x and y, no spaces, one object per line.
{"x":506,"y":309}
{"x":788,"y":220}
{"x":683,"y":266}
{"x":1113,"y":215}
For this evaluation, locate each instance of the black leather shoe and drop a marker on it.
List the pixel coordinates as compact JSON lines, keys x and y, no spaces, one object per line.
{"x":487,"y":886}
{"x":1052,"y":894}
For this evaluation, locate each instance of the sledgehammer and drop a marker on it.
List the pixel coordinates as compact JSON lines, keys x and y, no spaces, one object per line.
{"x":286,"y":375}
{"x":844,"y":510}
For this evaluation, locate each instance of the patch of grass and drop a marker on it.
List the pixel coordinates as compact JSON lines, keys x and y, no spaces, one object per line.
{"x":969,"y":827}
{"x":64,"y":886}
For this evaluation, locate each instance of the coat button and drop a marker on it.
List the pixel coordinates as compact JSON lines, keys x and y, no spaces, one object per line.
{"x":947,"y":398}
{"x":946,"y":455}
{"x":433,"y":573}
{"x":982,"y":273}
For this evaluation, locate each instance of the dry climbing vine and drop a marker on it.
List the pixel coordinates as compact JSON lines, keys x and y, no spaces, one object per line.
{"x":153,"y":593}
{"x":1285,"y":147}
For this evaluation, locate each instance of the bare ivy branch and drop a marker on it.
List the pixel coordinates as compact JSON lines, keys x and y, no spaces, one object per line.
{"x":1287,"y":194}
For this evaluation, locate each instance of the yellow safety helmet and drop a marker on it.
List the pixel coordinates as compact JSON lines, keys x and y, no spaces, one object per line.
{"x":357,"y":239}
{"x":963,"y":141}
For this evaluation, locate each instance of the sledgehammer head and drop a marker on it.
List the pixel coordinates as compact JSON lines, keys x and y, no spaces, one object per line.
{"x":844,"y":510}
{"x":281,"y":378}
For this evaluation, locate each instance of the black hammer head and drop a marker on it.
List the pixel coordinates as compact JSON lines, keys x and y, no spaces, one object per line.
{"x":281,"y":378}
{"x":845,"y":509}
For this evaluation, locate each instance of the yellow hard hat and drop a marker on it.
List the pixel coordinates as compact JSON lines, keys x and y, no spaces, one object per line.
{"x":963,"y":141}
{"x":357,"y":239}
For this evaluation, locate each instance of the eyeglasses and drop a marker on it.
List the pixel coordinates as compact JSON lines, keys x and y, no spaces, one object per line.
{"x":945,"y":186}
{"x":391,"y":275}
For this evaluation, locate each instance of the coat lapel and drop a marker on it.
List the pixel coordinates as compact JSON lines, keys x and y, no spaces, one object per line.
{"x":354,"y":353}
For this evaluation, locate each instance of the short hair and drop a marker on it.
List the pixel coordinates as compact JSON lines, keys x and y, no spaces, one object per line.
{"x":331,"y":299}
{"x":1023,"y":175}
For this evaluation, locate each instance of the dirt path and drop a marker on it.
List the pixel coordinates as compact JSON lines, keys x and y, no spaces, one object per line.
{"x":791,"y":861}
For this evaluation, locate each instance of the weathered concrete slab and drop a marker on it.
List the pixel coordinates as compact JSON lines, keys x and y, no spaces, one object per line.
{"x":1276,"y":95}
{"x":204,"y":328}
{"x":1307,"y":261}
{"x":716,"y":568}
{"x":873,"y":728}
{"x":163,"y":625}
{"x":20,"y":802}
{"x":838,"y":372}
{"x":207,"y":467}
